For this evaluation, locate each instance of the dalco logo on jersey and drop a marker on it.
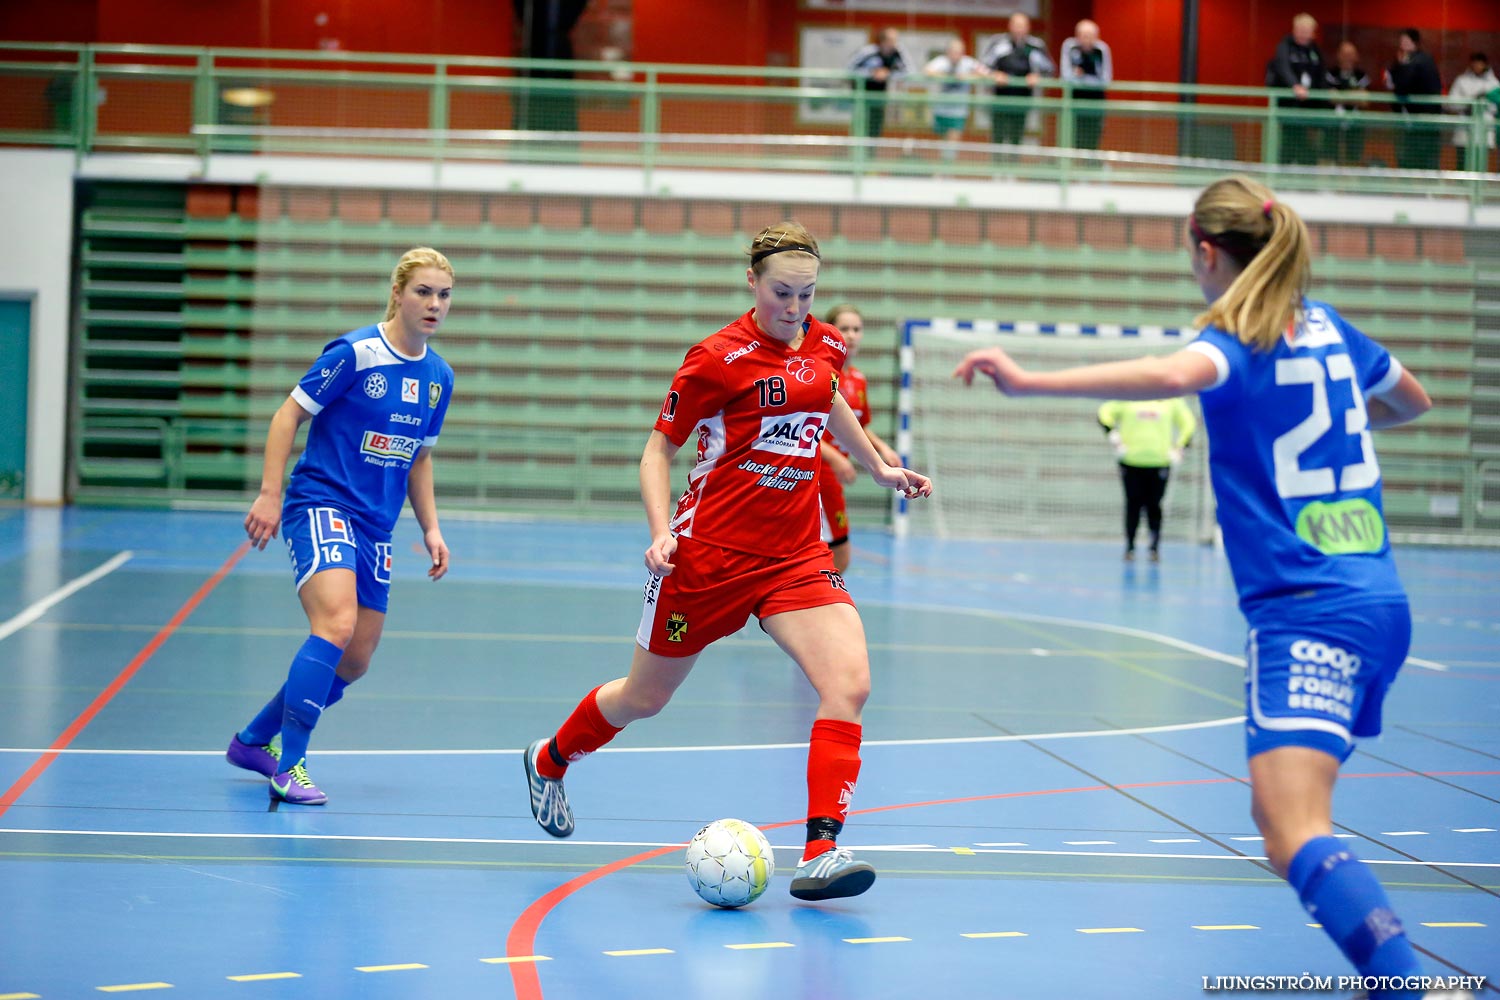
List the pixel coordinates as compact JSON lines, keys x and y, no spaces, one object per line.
{"x":792,"y":433}
{"x":376,"y":385}
{"x":389,"y":445}
{"x":409,"y":390}
{"x":677,"y":626}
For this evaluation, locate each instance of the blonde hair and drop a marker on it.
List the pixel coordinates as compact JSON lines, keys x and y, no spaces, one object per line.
{"x":784,"y":237}
{"x":831,"y":317}
{"x":1244,"y":220}
{"x":412,"y":261}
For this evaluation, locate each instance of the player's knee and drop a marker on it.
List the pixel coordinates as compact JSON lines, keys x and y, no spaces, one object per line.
{"x":336,"y":627}
{"x":642,"y":702}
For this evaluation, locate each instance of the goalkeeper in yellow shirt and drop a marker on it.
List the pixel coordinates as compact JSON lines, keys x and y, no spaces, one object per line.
{"x":1148,"y":436}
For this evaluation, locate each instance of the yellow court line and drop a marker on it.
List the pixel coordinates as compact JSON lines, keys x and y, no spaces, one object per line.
{"x":760,"y":944}
{"x":994,"y":934}
{"x":517,"y":958}
{"x":880,"y":940}
{"x":20,"y":996}
{"x":263,"y":976}
{"x":639,"y":951}
{"x":963,"y":850}
{"x":1110,"y":930}
{"x":1225,"y":927}
{"x":1454,"y":923}
{"x":389,"y":968}
{"x":132,"y":987}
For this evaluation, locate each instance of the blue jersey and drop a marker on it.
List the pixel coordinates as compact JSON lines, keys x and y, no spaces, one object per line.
{"x":372,"y":408}
{"x":1294,"y":468}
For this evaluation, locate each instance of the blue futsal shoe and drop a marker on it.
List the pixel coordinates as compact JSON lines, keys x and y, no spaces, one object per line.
{"x":833,"y":874}
{"x":549,"y":803}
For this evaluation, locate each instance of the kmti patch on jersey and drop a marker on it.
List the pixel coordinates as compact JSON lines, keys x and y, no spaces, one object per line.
{"x":1341,"y":528}
{"x":791,"y":433}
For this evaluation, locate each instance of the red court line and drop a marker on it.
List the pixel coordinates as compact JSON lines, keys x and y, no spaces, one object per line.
{"x":104,"y":697}
{"x":521,"y":942}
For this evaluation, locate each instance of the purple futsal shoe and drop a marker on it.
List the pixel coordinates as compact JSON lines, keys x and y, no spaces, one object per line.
{"x":263,"y":760}
{"x":296,"y":786}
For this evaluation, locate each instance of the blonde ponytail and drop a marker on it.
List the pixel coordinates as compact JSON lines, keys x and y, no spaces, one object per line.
{"x":1244,"y":219}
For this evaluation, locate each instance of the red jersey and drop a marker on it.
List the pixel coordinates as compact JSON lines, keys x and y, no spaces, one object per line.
{"x":856,"y":392}
{"x":759,"y":410}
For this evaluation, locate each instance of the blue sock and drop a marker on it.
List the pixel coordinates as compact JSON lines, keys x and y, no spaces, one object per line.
{"x":267,"y":722}
{"x":336,"y":692}
{"x":1340,"y":892}
{"x":306,"y":692}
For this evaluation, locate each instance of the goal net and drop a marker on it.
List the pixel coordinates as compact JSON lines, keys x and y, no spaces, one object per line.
{"x":1035,"y":467}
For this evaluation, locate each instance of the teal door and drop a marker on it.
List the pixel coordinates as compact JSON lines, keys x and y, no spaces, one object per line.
{"x":15,"y":354}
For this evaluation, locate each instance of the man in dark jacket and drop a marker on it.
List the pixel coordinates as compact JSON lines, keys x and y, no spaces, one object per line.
{"x":1414,"y":74}
{"x":1298,"y":66}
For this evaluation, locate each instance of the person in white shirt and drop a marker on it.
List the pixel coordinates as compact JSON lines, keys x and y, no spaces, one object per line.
{"x":1473,"y":83}
{"x":950,"y":112}
{"x":1085,"y":61}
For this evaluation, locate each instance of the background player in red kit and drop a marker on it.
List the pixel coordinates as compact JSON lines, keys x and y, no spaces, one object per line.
{"x":755,"y":398}
{"x":838,"y":471}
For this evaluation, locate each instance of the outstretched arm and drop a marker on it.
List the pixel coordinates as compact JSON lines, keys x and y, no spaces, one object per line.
{"x":1154,"y":377}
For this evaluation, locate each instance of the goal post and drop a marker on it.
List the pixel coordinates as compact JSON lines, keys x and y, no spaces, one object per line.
{"x":1038,"y":467}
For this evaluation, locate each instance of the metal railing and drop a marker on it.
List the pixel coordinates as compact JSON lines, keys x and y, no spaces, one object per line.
{"x":656,"y":116}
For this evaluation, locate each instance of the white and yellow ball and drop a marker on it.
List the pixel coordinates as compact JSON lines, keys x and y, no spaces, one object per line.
{"x":730,"y":863}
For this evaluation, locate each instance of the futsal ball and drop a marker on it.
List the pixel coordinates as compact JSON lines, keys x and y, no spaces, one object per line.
{"x":729,"y":863}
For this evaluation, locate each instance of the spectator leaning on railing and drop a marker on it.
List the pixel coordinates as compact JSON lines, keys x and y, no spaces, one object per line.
{"x":1350,"y":81}
{"x":1414,"y":74}
{"x":1085,"y":61}
{"x":1017,"y":60}
{"x":955,"y":69}
{"x":1473,"y":83}
{"x":1298,"y":66}
{"x":877,"y":65}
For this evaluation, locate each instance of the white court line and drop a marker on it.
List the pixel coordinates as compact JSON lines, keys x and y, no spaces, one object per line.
{"x":61,"y":594}
{"x":648,"y":845}
{"x":1178,"y":727}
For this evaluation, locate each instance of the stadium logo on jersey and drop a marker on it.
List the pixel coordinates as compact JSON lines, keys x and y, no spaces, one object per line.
{"x":434,"y":393}
{"x":736,"y":355}
{"x":677,"y":626}
{"x":375,"y":385}
{"x":389,"y":445}
{"x":409,"y":388}
{"x":792,"y":433}
{"x":837,"y":345}
{"x":406,"y":418}
{"x":801,"y":369}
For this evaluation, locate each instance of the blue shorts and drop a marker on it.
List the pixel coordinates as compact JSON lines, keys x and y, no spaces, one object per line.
{"x":319,"y":538}
{"x":1322,"y":683}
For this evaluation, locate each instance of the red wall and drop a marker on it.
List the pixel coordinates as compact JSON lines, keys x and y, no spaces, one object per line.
{"x":1237,"y":37}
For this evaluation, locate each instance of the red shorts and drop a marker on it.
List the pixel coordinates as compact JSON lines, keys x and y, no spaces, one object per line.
{"x":714,"y":591}
{"x":835,"y":530}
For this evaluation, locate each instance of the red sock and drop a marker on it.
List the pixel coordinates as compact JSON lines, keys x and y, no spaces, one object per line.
{"x":832,"y":770}
{"x":585,"y":731}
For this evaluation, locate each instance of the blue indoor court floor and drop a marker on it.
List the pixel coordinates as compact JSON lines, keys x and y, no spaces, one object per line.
{"x":1052,"y":788}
